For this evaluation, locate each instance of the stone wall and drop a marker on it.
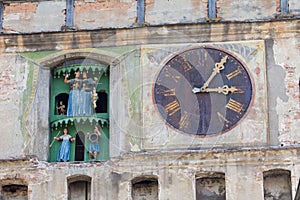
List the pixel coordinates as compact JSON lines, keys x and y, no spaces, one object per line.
{"x":247,"y":174}
{"x":267,"y":139}
{"x":44,"y":16}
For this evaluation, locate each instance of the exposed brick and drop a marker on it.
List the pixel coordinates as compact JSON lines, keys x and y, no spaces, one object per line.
{"x":20,"y":8}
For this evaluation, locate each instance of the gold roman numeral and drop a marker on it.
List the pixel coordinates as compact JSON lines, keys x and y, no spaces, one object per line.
{"x":166,"y":92}
{"x":172,"y":107}
{"x":187,"y":66}
{"x":184,"y":121}
{"x":168,"y":74}
{"x":234,"y":73}
{"x":223,"y":119}
{"x":234,"y":105}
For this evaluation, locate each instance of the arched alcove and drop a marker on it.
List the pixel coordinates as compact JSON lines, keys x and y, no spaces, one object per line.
{"x":210,"y":186}
{"x":79,"y":187}
{"x":80,"y":78}
{"x":145,"y":187}
{"x":277,"y":184}
{"x":96,"y":65}
{"x":13,"y":189}
{"x":61,"y":104}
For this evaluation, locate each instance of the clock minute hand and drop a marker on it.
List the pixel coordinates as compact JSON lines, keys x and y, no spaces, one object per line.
{"x":218,"y":67}
{"x":225,"y":89}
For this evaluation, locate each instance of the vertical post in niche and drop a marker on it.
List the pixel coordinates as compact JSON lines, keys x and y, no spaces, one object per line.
{"x":212,"y":10}
{"x":284,"y":6}
{"x":140,"y":12}
{"x":1,"y":15}
{"x":70,"y":13}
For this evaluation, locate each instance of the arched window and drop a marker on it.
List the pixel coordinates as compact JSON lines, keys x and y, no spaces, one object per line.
{"x":61,"y":104}
{"x":277,"y":184}
{"x":144,"y":188}
{"x":79,"y":101}
{"x":210,"y":186}
{"x":79,"y":187}
{"x":13,"y":189}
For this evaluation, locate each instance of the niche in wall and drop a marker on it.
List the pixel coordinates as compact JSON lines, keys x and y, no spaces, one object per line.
{"x":211,"y":186}
{"x":14,"y":192}
{"x":145,"y":188}
{"x":79,"y":187}
{"x":277,"y":185}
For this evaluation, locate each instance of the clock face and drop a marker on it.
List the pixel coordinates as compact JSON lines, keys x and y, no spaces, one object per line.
{"x":203,"y":91}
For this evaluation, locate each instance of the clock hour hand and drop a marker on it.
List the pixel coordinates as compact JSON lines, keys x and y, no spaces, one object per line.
{"x":225,"y":90}
{"x":218,"y":67}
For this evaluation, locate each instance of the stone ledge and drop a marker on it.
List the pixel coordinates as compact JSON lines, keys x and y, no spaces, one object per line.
{"x":183,"y":33}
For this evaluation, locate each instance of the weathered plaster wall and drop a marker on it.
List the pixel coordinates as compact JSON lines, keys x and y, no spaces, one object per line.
{"x":130,"y":116}
{"x":104,"y":14}
{"x":246,"y":10}
{"x":34,"y":16}
{"x":13,"y":82}
{"x":24,"y":97}
{"x":43,"y":16}
{"x":176,"y":11}
{"x":175,"y":171}
{"x":287,"y":107}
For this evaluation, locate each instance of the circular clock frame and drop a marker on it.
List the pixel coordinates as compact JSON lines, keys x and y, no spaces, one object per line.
{"x":203,"y":91}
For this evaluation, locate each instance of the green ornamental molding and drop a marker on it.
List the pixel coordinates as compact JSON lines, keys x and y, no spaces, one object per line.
{"x":95,"y":68}
{"x":73,"y":120}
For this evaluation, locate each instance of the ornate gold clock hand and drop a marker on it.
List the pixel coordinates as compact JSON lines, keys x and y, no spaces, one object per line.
{"x":225,"y":90}
{"x":218,"y":67}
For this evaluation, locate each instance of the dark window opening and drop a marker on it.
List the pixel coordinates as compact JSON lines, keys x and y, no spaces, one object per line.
{"x":79,"y":146}
{"x":14,"y":191}
{"x":101,"y":102}
{"x":79,"y":188}
{"x":145,"y":189}
{"x":61,"y":104}
{"x":277,"y":184}
{"x":211,"y":187}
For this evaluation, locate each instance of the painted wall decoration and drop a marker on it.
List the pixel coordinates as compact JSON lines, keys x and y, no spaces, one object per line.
{"x":193,"y":106}
{"x":203,"y":91}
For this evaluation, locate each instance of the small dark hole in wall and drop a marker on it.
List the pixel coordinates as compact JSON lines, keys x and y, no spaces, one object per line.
{"x":14,"y":191}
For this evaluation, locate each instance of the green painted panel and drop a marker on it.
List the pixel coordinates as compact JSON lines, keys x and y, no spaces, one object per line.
{"x":85,"y":128}
{"x":79,"y":124}
{"x":38,"y":55}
